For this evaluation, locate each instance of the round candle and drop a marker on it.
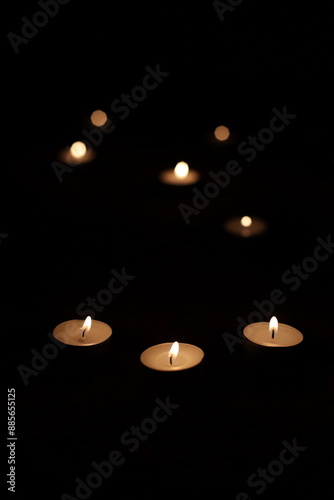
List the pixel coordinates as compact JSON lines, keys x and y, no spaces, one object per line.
{"x":181,"y":175}
{"x":273,"y":334}
{"x":172,"y":356}
{"x":245,"y":226}
{"x":78,"y":333}
{"x":77,"y":154}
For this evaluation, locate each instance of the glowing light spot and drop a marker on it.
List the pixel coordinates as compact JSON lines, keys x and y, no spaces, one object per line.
{"x":221,"y":133}
{"x":78,"y":149}
{"x":98,"y":118}
{"x":181,"y":170}
{"x":246,"y":221}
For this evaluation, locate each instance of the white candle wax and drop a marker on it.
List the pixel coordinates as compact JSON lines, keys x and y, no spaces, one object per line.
{"x":157,"y":357}
{"x":70,"y":333}
{"x":285,"y":336}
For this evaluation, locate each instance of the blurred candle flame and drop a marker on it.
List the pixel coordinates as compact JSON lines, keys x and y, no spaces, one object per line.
{"x":78,"y":149}
{"x":246,"y":221}
{"x":181,"y":170}
{"x":98,"y":118}
{"x":221,"y":133}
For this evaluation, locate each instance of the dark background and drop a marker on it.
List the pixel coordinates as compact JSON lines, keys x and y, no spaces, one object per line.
{"x":192,"y":281}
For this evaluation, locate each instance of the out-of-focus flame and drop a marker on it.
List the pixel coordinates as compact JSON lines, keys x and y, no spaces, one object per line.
{"x":98,"y":118}
{"x":246,"y":221}
{"x":181,"y":170}
{"x":221,"y":133}
{"x":78,"y":150}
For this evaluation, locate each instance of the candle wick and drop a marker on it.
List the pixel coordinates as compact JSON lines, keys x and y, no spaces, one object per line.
{"x":83,"y":333}
{"x":171,"y":359}
{"x":273,"y":333}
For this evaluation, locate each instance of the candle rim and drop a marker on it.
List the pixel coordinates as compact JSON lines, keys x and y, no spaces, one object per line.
{"x":171,"y":343}
{"x":273,"y":344}
{"x":168,"y":346}
{"x":80,"y":323}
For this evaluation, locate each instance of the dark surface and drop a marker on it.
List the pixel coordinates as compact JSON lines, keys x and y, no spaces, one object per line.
{"x":191,"y":281}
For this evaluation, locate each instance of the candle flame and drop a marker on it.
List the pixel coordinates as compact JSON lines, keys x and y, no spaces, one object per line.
{"x":246,"y":221}
{"x":87,"y":324}
{"x":78,"y":149}
{"x":174,"y":350}
{"x":181,"y":170}
{"x":273,"y":324}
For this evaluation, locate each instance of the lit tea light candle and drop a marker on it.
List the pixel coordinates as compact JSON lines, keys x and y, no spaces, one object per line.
{"x":172,"y":356}
{"x":78,"y":153}
{"x":245,"y":226}
{"x":273,"y":334}
{"x":181,"y":175}
{"x":78,"y":333}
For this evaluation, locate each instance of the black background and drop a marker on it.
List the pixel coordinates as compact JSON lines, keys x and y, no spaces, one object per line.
{"x":192,"y":281}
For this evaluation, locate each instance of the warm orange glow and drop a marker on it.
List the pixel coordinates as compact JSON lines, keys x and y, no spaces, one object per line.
{"x":78,"y":149}
{"x":87,"y":324}
{"x":181,"y":170}
{"x":221,"y":133}
{"x":246,"y":221}
{"x":98,"y":118}
{"x":173,"y":352}
{"x":273,"y":324}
